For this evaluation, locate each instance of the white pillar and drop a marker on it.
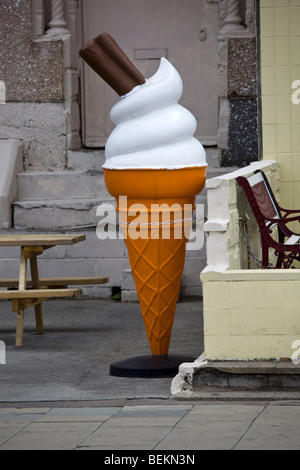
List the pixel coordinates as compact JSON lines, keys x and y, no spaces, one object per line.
{"x":57,"y":24}
{"x":233,"y":20}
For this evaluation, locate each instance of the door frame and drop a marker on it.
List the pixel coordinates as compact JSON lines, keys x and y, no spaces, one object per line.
{"x":82,"y":103}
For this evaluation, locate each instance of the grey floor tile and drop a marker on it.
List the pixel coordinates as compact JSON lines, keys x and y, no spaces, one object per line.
{"x":50,"y":436}
{"x":270,"y":437}
{"x":9,"y":429}
{"x":144,"y":421}
{"x":277,"y":428}
{"x":19,"y":417}
{"x":203,"y":436}
{"x":114,"y":437}
{"x":151,"y":416}
{"x":226,"y":411}
{"x":79,"y":414}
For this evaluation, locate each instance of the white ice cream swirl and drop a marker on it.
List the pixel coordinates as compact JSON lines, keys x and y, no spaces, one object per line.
{"x":153,"y":130}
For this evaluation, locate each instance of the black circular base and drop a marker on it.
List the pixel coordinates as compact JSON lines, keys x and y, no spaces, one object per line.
{"x":149,"y":366}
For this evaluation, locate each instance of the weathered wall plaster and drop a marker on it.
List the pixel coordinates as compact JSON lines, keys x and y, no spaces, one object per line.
{"x":32,"y":70}
{"x":226,"y":248}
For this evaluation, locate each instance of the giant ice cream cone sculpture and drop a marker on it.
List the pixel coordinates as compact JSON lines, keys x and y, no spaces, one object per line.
{"x":154,"y":163}
{"x":157,"y":247}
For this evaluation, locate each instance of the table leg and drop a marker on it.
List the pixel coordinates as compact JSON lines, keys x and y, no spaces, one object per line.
{"x":22,"y":286}
{"x":36,"y":285}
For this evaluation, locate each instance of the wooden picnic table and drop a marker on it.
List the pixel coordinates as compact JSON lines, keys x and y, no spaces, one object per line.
{"x":31,"y":293}
{"x":46,"y":241}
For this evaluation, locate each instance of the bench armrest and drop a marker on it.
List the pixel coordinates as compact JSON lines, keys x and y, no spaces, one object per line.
{"x":284,"y":220}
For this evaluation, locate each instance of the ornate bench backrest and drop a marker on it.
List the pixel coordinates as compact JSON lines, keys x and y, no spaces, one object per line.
{"x":263,"y":196}
{"x":260,"y":197}
{"x":268,"y":215}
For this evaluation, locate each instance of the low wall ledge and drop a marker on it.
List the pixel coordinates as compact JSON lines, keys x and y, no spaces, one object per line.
{"x":247,"y":171}
{"x":251,"y":275}
{"x":216,"y":225}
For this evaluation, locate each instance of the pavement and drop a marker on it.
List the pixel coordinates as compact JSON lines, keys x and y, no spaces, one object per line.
{"x":56,"y":391}
{"x":158,"y":427}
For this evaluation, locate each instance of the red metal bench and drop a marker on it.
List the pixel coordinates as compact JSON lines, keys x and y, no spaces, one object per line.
{"x":269,"y":216}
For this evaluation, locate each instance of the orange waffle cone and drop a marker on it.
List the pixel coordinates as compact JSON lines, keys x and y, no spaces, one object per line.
{"x":157,"y":267}
{"x":157,"y":251}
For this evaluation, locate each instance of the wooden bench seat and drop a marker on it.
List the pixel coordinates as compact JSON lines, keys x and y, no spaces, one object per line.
{"x":57,"y":282}
{"x":38,"y":294}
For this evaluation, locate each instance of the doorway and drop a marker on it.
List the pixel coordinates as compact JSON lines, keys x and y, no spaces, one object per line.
{"x":185,"y":32}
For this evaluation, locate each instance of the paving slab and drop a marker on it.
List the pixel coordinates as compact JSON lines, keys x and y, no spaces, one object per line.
{"x":203,"y":436}
{"x":136,"y":437}
{"x":78,"y":415}
{"x":175,"y":428}
{"x":49,"y":436}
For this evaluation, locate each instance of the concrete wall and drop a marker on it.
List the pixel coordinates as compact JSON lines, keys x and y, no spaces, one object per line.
{"x":238,"y":133}
{"x":32,"y":69}
{"x":243,"y":142}
{"x":41,"y":79}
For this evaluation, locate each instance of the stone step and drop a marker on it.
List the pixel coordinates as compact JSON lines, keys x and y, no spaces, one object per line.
{"x":57,"y":213}
{"x":67,"y":199}
{"x":258,"y":375}
{"x":60,"y":185}
{"x":71,"y":184}
{"x":43,"y":214}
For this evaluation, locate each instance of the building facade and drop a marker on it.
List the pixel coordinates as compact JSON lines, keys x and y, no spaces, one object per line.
{"x":60,"y":112}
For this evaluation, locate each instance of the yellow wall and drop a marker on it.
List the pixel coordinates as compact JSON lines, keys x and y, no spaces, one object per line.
{"x":248,"y":315}
{"x":280,"y":68}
